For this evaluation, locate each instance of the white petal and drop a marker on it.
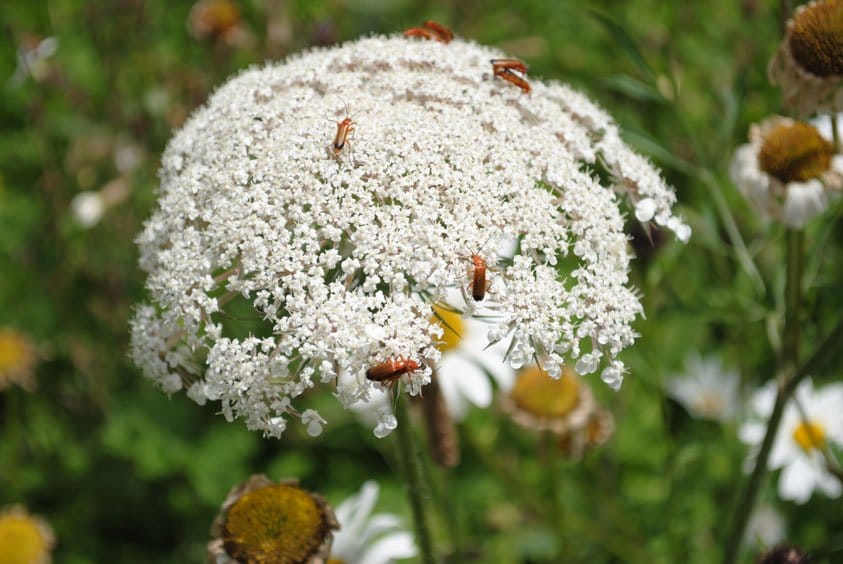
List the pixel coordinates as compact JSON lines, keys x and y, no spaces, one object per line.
{"x":353,"y":513}
{"x":797,"y":481}
{"x":645,"y":210}
{"x":752,"y":433}
{"x":389,"y":548}
{"x":453,"y":397}
{"x":803,"y":201}
{"x":764,"y":399}
{"x":829,"y":484}
{"x":461,"y":379}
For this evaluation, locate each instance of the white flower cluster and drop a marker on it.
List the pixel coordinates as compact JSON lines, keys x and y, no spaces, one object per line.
{"x":341,"y":254}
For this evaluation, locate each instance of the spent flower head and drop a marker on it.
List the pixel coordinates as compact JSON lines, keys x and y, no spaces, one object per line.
{"x":340,"y":236}
{"x":563,"y":406}
{"x":264,"y":521}
{"x":809,"y":62}
{"x":787,"y":170}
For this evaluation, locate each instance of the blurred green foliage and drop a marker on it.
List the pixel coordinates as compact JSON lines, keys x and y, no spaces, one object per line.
{"x":125,"y":474}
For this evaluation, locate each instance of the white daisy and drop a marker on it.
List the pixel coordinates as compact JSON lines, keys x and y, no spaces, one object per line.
{"x":707,"y":389}
{"x":364,"y":538}
{"x":800,"y":441}
{"x":787,"y":170}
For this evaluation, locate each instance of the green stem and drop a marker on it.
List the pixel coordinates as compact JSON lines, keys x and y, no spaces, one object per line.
{"x":731,"y":226}
{"x":625,"y":548}
{"x":793,"y":292}
{"x":835,"y":133}
{"x":445,"y":500}
{"x":415,"y":487}
{"x":788,"y":374}
{"x":747,"y":500}
{"x":831,"y":344}
{"x":557,"y":507}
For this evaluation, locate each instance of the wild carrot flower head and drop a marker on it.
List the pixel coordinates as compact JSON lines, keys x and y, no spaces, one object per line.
{"x":336,"y":197}
{"x":809,"y":62}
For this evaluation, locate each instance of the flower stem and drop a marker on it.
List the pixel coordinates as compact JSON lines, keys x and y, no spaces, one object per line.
{"x":793,"y":292}
{"x":831,"y":344}
{"x":741,"y":252}
{"x":415,"y":488}
{"x":788,"y":374}
{"x":835,"y":133}
{"x":747,"y":500}
{"x":554,"y":474}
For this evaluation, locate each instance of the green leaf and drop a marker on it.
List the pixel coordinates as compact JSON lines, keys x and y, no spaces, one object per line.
{"x":633,"y":88}
{"x":625,"y":42}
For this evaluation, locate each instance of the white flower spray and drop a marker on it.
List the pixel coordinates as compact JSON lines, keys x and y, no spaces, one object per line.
{"x":343,"y":253}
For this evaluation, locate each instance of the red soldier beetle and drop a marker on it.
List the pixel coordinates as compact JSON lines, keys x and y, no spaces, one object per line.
{"x":389,"y":371}
{"x":504,"y":68}
{"x":344,"y":129}
{"x":432,"y":31}
{"x":443,"y":33}
{"x":421,"y":33}
{"x":479,"y":284}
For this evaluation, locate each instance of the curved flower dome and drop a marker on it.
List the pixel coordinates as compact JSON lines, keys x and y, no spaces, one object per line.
{"x":338,"y":196}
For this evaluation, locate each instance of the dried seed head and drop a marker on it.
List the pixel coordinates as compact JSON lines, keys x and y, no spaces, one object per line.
{"x":816,"y":38}
{"x":795,"y":152}
{"x":808,"y":64}
{"x":263,"y":521}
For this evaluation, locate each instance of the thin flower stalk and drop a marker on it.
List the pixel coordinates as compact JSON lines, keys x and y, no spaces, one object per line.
{"x":415,"y":487}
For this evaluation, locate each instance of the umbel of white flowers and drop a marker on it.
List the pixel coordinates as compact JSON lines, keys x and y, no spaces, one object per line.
{"x":340,"y":253}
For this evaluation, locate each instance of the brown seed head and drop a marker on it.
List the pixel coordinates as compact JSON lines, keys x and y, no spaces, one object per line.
{"x":816,"y":38}
{"x":795,"y":153}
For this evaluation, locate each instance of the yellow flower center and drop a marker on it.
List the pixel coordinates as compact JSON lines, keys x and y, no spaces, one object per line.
{"x":215,"y":17}
{"x":816,"y":38}
{"x":452,"y":325}
{"x":22,"y":540}
{"x":809,"y":435}
{"x":277,"y":523}
{"x":335,"y":560}
{"x":14,"y":351}
{"x":541,"y":395}
{"x":795,"y":153}
{"x":709,"y":403}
